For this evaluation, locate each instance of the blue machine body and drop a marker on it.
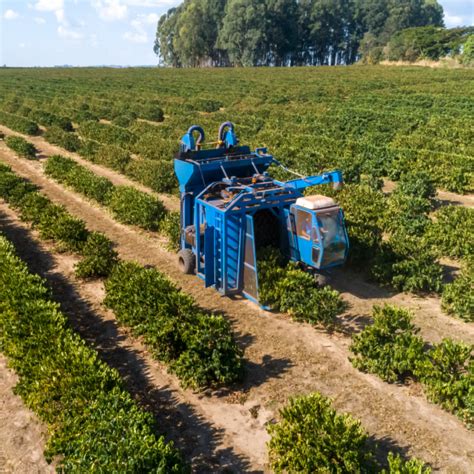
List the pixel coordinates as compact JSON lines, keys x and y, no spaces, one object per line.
{"x":230,"y":206}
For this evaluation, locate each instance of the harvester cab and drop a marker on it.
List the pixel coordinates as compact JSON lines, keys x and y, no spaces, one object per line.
{"x":231,"y":207}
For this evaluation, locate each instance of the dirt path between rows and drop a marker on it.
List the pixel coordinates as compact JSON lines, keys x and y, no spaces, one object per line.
{"x":285,"y":358}
{"x":22,"y":436}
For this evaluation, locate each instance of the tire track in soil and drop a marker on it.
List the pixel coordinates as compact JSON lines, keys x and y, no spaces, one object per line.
{"x":285,"y":358}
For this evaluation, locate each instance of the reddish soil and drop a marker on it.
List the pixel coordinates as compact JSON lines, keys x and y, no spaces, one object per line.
{"x":284,"y":358}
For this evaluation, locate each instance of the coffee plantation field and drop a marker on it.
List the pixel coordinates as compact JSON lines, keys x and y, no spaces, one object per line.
{"x":86,"y":170}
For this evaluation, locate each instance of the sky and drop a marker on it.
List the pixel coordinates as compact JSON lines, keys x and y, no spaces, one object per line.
{"x":106,"y":32}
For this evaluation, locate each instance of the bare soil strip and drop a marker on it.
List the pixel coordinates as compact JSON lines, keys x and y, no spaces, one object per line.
{"x":22,"y":435}
{"x":285,"y":358}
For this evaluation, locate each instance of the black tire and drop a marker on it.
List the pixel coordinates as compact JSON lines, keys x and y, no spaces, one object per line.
{"x":321,"y":279}
{"x":186,"y":261}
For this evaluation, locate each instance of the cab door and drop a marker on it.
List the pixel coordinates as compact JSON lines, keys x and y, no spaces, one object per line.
{"x":305,"y":235}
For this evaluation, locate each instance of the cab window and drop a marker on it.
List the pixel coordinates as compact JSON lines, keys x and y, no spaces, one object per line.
{"x":303,"y":224}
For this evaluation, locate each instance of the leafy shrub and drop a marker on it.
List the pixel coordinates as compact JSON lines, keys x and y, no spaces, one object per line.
{"x":151,"y":112}
{"x":94,"y":424}
{"x":107,"y":134}
{"x":82,"y":180}
{"x":390,"y":346}
{"x":198,"y":346}
{"x":67,"y":140}
{"x":447,"y":374}
{"x":21,"y":146}
{"x":56,"y":224}
{"x":158,"y":175}
{"x":407,"y":213}
{"x":451,"y":233}
{"x":312,"y":437}
{"x":407,"y":264}
{"x":416,"y":184}
{"x":123,"y":120}
{"x":131,"y":206}
{"x":32,"y":206}
{"x":458,"y":296}
{"x":50,"y":119}
{"x":112,"y":156}
{"x":171,"y":227}
{"x":364,"y":213}
{"x":292,"y":290}
{"x":99,"y":257}
{"x":19,"y":124}
{"x":398,"y":465}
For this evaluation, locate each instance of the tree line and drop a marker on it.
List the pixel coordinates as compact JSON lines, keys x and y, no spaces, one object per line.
{"x":283,"y":32}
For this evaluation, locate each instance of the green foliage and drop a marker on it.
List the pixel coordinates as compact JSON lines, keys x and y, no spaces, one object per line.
{"x":107,"y":134}
{"x":407,"y":264}
{"x":99,"y":257}
{"x":458,"y":296}
{"x":157,"y":175}
{"x":312,"y":437}
{"x":131,"y":206}
{"x":21,"y":146}
{"x":391,"y":349}
{"x":447,"y":374}
{"x":19,"y":124}
{"x":452,"y":231}
{"x":364,"y":213}
{"x":93,"y":423}
{"x":294,"y":291}
{"x":57,"y":225}
{"x":171,"y":227}
{"x":199,"y":346}
{"x":49,"y":119}
{"x":82,"y":180}
{"x":428,"y":42}
{"x":417,"y":184}
{"x":67,"y":140}
{"x":467,"y":57}
{"x":397,"y":465}
{"x":390,"y":346}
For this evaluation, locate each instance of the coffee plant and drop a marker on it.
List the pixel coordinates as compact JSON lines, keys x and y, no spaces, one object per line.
{"x":99,"y":257}
{"x":68,"y":140}
{"x":289,"y":289}
{"x":199,"y":347}
{"x":94,"y":425}
{"x":390,"y":347}
{"x":130,"y":206}
{"x":82,"y":180}
{"x":312,"y":437}
{"x":21,"y":146}
{"x":19,"y":124}
{"x":458,"y":296}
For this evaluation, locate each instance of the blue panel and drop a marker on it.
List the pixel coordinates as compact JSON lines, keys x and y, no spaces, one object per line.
{"x":209,"y":275}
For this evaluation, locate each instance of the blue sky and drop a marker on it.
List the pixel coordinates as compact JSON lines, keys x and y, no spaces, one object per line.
{"x":110,"y":32}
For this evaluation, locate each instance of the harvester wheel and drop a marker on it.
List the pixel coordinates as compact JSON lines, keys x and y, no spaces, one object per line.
{"x":186,"y":261}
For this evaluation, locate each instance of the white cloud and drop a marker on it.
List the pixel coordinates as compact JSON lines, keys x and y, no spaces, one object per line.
{"x":67,"y":33}
{"x":110,"y":10}
{"x":454,"y":20}
{"x":40,"y":20}
{"x":10,"y":15}
{"x":151,"y":18}
{"x":22,"y":45}
{"x":136,"y":37}
{"x":49,"y":5}
{"x":60,"y":16}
